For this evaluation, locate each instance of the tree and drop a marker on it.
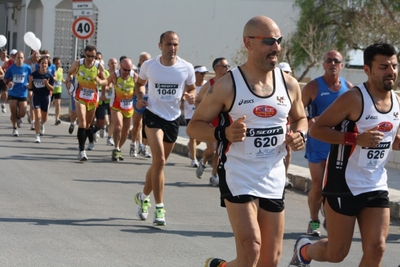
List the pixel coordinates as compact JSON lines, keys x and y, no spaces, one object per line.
{"x":340,"y":25}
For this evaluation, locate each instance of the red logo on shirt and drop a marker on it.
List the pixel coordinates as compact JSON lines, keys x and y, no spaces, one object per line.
{"x":264,"y":111}
{"x":385,"y":126}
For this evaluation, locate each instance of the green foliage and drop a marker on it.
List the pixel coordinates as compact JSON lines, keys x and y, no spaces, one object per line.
{"x":341,"y":25}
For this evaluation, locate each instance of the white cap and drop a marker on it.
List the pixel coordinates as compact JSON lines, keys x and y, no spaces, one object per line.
{"x":13,"y":52}
{"x":201,"y":69}
{"x":285,"y":67}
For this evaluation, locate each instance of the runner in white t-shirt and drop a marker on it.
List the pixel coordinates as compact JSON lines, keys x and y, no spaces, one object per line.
{"x":169,"y":79}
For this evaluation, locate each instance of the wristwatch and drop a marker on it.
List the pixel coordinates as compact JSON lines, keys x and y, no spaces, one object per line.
{"x":303,"y":134}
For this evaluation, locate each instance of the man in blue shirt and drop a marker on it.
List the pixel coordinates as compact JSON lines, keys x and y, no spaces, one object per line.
{"x":16,"y":79}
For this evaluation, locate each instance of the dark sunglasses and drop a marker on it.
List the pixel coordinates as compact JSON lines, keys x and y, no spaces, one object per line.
{"x":268,"y":40}
{"x":330,"y":60}
{"x":89,"y":56}
{"x":224,"y":66}
{"x":126,"y":69}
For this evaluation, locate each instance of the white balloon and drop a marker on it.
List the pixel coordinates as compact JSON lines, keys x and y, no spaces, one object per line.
{"x":36,"y":44}
{"x":3,"y":40}
{"x":29,"y":37}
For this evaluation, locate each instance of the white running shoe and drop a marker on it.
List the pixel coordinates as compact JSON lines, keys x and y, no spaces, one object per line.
{"x":15,"y":132}
{"x":37,"y":139}
{"x":200,"y":169}
{"x":194,"y":163}
{"x":214,"y":181}
{"x":297,"y":260}
{"x":90,"y":146}
{"x":144,"y":151}
{"x":159,"y":217}
{"x":19,"y":123}
{"x":143,"y":206}
{"x":42,"y":129}
{"x":132,"y":150}
{"x":110,"y":141}
{"x":82,"y":156}
{"x":102,"y":132}
{"x":3,"y":108}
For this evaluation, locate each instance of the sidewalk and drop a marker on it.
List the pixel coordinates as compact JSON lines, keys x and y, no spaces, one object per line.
{"x":298,"y":170}
{"x":299,"y":174}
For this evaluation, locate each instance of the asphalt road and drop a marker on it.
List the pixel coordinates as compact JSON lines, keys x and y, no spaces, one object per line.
{"x":56,"y":211}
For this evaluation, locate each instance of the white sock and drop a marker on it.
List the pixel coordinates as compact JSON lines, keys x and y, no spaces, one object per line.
{"x":143,"y":196}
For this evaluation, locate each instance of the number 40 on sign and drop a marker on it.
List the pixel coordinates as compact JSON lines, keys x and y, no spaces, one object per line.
{"x":83,"y":28}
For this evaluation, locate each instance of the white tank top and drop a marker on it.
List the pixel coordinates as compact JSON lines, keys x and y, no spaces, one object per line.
{"x":365,"y":168}
{"x":255,"y":166}
{"x":166,"y":86}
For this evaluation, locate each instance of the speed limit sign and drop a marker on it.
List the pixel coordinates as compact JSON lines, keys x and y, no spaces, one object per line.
{"x":83,"y":28}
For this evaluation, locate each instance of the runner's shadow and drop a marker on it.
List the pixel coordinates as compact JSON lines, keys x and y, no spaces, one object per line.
{"x":166,"y":230}
{"x":69,"y":222}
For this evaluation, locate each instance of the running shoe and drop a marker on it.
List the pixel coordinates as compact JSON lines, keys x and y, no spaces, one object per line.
{"x":214,"y":262}
{"x":42,"y":129}
{"x":114,"y":155}
{"x":214,"y":181}
{"x":110,"y":141}
{"x":102,"y":132}
{"x":71,"y":128}
{"x":37,"y":139}
{"x":159,"y":217}
{"x":194,"y":163}
{"x":200,"y":169}
{"x":132,"y":150}
{"x":313,"y":228}
{"x":143,"y":206}
{"x":297,"y":260}
{"x":144,"y":151}
{"x":19,"y":123}
{"x":3,"y":108}
{"x":90,"y":146}
{"x":82,"y":156}
{"x":15,"y":132}
{"x":96,"y":137}
{"x":120,"y":158}
{"x":58,"y":122}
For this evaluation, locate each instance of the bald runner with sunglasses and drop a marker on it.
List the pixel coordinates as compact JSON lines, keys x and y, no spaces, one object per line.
{"x":317,"y":96}
{"x":253,"y":102}
{"x":89,"y":73}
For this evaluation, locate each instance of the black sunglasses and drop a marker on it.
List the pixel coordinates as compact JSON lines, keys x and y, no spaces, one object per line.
{"x":126,"y":69}
{"x":268,"y":40}
{"x":224,"y":66}
{"x":330,"y":60}
{"x":89,"y":56}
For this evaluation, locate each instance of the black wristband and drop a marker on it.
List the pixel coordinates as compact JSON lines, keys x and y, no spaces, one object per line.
{"x":219,"y":134}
